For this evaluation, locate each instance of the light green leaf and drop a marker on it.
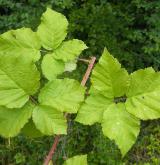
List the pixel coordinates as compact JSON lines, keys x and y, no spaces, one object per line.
{"x":69,"y":50}
{"x":77,"y":160}
{"x":19,"y":78}
{"x":144,"y":94}
{"x":52,"y":67}
{"x":110,"y":84}
{"x":108,"y":77}
{"x":137,"y":83}
{"x":49,"y":120}
{"x":70,"y":66}
{"x":53,"y":29}
{"x":64,"y":95}
{"x":119,"y":125}
{"x":12,"y":120}
{"x":30,"y":130}
{"x":20,"y":42}
{"x":92,"y":110}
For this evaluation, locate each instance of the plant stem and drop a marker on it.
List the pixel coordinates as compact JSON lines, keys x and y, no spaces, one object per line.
{"x":52,"y":151}
{"x":83,"y":60}
{"x":88,"y":71}
{"x":57,"y":138}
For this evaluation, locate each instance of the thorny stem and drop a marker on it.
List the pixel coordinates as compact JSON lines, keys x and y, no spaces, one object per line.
{"x":83,"y":83}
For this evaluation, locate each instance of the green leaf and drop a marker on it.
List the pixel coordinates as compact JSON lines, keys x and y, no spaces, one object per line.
{"x":69,"y":50}
{"x":49,"y":120}
{"x":12,"y":120}
{"x":92,"y":110}
{"x":108,"y":77}
{"x":108,"y":80}
{"x":64,"y":95}
{"x":119,"y":125}
{"x":77,"y":160}
{"x":20,"y":42}
{"x":70,"y":66}
{"x":52,"y":67}
{"x":19,"y":78}
{"x":53,"y":29}
{"x":110,"y":83}
{"x":144,"y":94}
{"x":30,"y":130}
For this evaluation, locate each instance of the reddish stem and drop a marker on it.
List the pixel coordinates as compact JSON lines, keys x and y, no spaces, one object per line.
{"x":57,"y":138}
{"x":52,"y":151}
{"x":88,"y":71}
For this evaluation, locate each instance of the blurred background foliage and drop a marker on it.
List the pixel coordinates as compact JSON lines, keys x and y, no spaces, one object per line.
{"x":130,"y":29}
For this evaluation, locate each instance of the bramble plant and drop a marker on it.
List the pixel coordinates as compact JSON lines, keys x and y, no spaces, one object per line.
{"x":26,"y":102}
{"x":117,"y":100}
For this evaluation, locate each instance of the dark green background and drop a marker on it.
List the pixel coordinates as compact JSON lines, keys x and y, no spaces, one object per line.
{"x":130,"y":29}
